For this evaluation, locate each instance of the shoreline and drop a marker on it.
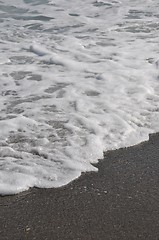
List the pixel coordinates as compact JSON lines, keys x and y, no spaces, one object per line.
{"x":120,"y":201}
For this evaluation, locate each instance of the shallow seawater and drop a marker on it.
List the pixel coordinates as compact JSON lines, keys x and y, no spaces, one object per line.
{"x":76,"y":78}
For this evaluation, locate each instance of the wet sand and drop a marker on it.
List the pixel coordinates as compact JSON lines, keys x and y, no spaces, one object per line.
{"x":121,"y":201}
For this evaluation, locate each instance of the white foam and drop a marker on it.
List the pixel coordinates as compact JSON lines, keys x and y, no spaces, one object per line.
{"x":4,"y":60}
{"x":77,"y":79}
{"x":54,"y":58}
{"x":39,"y":50}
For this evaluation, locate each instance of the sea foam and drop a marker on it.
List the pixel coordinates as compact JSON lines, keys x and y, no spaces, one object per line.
{"x":77,"y":79}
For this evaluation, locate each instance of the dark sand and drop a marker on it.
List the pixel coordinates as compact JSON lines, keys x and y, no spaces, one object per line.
{"x":121,"y":201}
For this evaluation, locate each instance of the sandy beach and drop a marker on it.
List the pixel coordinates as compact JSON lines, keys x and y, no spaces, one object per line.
{"x":121,"y":201}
